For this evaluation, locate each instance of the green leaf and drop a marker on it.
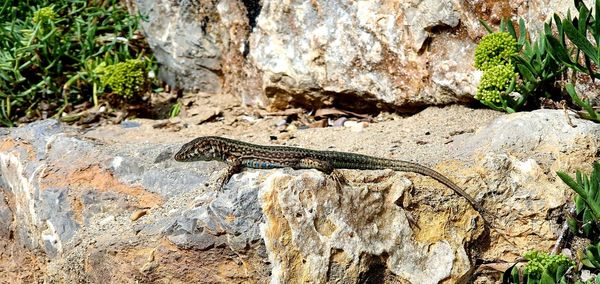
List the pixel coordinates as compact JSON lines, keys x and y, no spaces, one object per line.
{"x":578,"y":101}
{"x":526,"y":72}
{"x":596,"y":30}
{"x":512,"y":85}
{"x":511,"y":29}
{"x":557,"y":50}
{"x":547,"y":279}
{"x":591,"y":215}
{"x":588,"y":66}
{"x":593,"y":191}
{"x":548,"y":27}
{"x":521,"y":61}
{"x":590,"y":257}
{"x":514,"y":272}
{"x":584,"y":18}
{"x":587,"y":263}
{"x":559,"y":28}
{"x":560,"y":271}
{"x":571,"y":183}
{"x":572,"y":223}
{"x":492,"y":105}
{"x":580,"y":204}
{"x":580,"y":41}
{"x":486,"y":26}
{"x":523,"y":32}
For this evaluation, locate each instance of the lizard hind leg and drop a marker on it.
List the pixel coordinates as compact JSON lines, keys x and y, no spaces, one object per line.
{"x":339,"y":178}
{"x":324,"y":166}
{"x":311,"y":163}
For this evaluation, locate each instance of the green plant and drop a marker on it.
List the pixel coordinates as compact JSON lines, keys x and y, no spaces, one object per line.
{"x":585,"y":56}
{"x":50,"y":52}
{"x":577,"y":31}
{"x":496,"y":81}
{"x":125,"y":79}
{"x":542,"y":268}
{"x":591,"y":256}
{"x":495,"y":49}
{"x":535,"y":69}
{"x":587,"y":202}
{"x":175,"y":110}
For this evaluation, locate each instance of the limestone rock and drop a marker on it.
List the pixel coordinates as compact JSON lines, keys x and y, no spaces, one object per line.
{"x":194,"y":40}
{"x":67,"y":199}
{"x":383,"y":54}
{"x":516,"y":159}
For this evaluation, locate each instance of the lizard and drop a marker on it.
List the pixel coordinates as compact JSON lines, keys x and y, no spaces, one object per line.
{"x":240,"y":154}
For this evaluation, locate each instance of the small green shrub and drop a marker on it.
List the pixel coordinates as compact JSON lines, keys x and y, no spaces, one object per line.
{"x":495,"y":86}
{"x":50,"y":51}
{"x":125,"y":79}
{"x":587,"y":202}
{"x":535,"y":70}
{"x":495,"y":49}
{"x":542,"y":268}
{"x":541,"y":63}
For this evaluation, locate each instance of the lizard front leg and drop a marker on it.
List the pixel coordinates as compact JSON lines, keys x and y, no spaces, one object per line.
{"x":234,"y":166}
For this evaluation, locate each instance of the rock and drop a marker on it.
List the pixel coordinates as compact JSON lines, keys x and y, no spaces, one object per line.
{"x":309,"y":231}
{"x":362,"y":55}
{"x":138,"y":214}
{"x":67,"y":199}
{"x":339,"y":122}
{"x":515,"y":169}
{"x":356,"y":126}
{"x":194,"y":39}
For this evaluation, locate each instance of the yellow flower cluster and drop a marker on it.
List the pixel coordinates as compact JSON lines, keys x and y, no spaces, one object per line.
{"x":44,"y":14}
{"x":125,"y":78}
{"x":495,"y":49}
{"x":494,"y":82}
{"x":540,"y":262}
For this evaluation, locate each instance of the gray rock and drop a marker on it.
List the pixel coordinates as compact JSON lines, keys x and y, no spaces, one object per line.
{"x":68,"y":198}
{"x":191,"y":40}
{"x":55,"y":211}
{"x":6,"y":217}
{"x":354,"y":54}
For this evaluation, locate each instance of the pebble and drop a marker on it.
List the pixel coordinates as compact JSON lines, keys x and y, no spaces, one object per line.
{"x":130,"y":124}
{"x":107,"y":220}
{"x":339,"y":122}
{"x":138,"y":214}
{"x":281,"y":122}
{"x":293,"y":128}
{"x":281,"y":125}
{"x":355,"y":126}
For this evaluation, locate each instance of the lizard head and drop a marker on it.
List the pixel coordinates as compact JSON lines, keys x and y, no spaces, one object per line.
{"x":199,"y":149}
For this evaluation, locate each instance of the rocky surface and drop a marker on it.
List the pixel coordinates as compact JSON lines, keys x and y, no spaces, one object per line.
{"x":354,"y":54}
{"x":196,"y":42}
{"x":110,"y":204}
